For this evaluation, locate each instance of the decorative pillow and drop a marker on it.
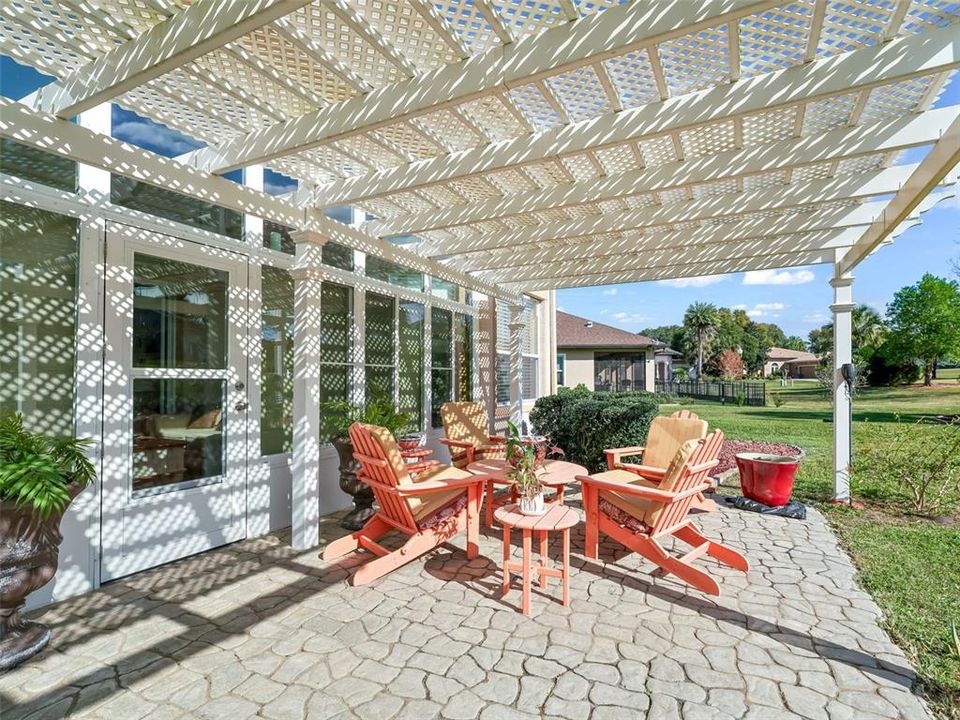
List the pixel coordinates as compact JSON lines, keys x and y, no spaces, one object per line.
{"x":209,"y":419}
{"x":622,"y":517}
{"x":444,"y":514}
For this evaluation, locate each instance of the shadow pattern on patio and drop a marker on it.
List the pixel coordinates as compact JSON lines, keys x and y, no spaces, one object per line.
{"x":258,"y":630}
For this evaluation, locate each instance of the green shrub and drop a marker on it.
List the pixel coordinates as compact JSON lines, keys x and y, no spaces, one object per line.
{"x":585,"y":423}
{"x":883,"y":370}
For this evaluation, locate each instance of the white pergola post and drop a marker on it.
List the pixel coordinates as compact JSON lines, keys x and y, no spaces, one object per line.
{"x":305,"y":493}
{"x":842,"y":309}
{"x":516,"y":327}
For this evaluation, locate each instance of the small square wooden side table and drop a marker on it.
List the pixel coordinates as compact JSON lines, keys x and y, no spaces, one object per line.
{"x":557,"y":518}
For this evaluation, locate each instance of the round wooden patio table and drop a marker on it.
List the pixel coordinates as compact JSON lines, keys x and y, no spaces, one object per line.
{"x":557,"y":518}
{"x":558,"y":475}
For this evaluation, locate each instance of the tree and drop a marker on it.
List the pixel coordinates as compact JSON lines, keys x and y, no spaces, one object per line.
{"x":672,"y":335}
{"x":795,"y":343}
{"x":701,"y":320}
{"x":868,"y":331}
{"x":731,"y":365}
{"x":925,"y":322}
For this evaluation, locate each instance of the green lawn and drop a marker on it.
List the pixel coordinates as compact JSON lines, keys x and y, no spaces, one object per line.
{"x":908,"y":563}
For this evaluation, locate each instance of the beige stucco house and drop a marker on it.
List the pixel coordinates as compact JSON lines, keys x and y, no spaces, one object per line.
{"x":604,"y":357}
{"x":791,"y":363}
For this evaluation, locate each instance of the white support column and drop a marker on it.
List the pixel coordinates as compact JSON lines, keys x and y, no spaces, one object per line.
{"x":258,"y":470}
{"x":426,"y":414}
{"x":485,"y":356}
{"x":305,"y":493}
{"x":842,"y":309}
{"x":516,"y":364}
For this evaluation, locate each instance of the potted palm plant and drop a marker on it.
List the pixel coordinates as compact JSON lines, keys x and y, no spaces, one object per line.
{"x":526,"y":466}
{"x":39,"y":478}
{"x":337,"y":417}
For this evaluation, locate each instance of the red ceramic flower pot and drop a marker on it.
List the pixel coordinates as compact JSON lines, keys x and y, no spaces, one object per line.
{"x":768,"y":479}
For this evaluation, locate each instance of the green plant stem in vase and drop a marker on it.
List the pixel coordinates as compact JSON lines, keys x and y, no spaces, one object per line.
{"x":526,"y":467}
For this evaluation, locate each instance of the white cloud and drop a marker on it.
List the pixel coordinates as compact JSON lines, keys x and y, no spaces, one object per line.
{"x":815,"y":318}
{"x":695,"y":282}
{"x":610,"y":291}
{"x":146,"y":133}
{"x":272,"y":187}
{"x":778,"y":277}
{"x":627,"y":318}
{"x":764,"y":310}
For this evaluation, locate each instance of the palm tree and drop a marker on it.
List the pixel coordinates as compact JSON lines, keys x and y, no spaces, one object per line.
{"x":701,"y":319}
{"x":869,"y":330}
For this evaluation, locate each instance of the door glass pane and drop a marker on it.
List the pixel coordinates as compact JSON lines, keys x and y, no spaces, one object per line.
{"x":179,"y":314}
{"x":178,"y":431}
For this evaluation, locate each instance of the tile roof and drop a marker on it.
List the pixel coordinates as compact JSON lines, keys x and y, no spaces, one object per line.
{"x":786,"y":354}
{"x":574,"y":331}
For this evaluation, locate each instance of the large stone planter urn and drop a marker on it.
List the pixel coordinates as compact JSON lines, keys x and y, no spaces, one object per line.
{"x":361,"y":493}
{"x":29,"y":550}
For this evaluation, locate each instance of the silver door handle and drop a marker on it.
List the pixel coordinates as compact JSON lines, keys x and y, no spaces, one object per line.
{"x":241,"y":406}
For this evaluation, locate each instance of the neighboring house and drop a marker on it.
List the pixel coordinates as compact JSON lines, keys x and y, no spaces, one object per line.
{"x":603,"y":357}
{"x":790,"y":363}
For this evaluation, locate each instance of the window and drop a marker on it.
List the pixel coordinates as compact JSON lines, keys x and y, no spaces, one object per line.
{"x":380,"y":269}
{"x":529,"y":350}
{"x":338,"y":256}
{"x":38,"y":305}
{"x":277,"y":237}
{"x":410,"y":373}
{"x":463,"y":355}
{"x":379,"y":347}
{"x":276,"y":345}
{"x":561,"y":369}
{"x":38,"y":166}
{"x":174,"y":206}
{"x":528,"y":381}
{"x":441,"y":355}
{"x":444,"y":289}
{"x":336,"y":341}
{"x":619,"y":372}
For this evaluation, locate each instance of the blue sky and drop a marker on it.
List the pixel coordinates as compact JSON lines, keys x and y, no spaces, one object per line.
{"x":797,"y":299}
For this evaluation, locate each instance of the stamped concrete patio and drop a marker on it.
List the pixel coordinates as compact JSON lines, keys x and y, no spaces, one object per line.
{"x":258,"y":630}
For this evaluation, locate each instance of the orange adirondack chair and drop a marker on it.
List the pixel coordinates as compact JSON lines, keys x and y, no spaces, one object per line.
{"x":430,"y":507}
{"x":666,"y":436}
{"x":465,"y":427}
{"x":639,"y":516}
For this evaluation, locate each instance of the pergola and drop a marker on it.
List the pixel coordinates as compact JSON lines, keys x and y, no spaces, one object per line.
{"x":523,"y":145}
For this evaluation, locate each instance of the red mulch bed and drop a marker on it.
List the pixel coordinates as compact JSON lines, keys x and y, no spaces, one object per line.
{"x":734,"y":447}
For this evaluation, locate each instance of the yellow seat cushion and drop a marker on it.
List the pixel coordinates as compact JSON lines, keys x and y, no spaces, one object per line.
{"x":645,"y":511}
{"x":424,"y":505}
{"x":667,"y":435}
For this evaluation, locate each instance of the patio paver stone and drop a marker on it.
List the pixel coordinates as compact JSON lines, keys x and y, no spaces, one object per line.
{"x":257,"y":629}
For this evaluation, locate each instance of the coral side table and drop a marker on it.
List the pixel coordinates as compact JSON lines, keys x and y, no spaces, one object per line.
{"x":557,"y":518}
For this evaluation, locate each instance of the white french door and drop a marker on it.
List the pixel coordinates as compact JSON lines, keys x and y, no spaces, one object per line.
{"x":175,"y":400}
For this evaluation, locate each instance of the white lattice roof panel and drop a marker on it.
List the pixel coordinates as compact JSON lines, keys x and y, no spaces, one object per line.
{"x":424,"y":151}
{"x":333,"y":33}
{"x":468,"y":23}
{"x":696,"y":61}
{"x":580,"y":93}
{"x":851,"y":24}
{"x":408,"y":31}
{"x":775,"y":39}
{"x":282,"y":54}
{"x":633,"y":77}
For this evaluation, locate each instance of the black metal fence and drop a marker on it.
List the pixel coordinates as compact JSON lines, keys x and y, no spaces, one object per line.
{"x":738,"y":393}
